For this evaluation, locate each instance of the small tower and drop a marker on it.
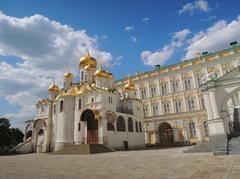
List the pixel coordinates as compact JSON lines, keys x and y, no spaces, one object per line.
{"x":87,"y":66}
{"x":129,"y":89}
{"x":104,"y":79}
{"x":68,"y":79}
{"x":53,"y":91}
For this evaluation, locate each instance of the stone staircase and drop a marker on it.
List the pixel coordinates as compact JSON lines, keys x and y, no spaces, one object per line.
{"x":234,"y":146}
{"x":201,"y":147}
{"x":84,"y":149}
{"x":219,"y":145}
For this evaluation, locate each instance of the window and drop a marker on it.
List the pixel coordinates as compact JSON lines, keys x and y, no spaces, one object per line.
{"x":79,"y":126}
{"x":191,"y":104}
{"x":192,"y":129}
{"x":153,"y":91}
{"x":130,"y":125}
{"x":178,"y":106}
{"x":140,"y":127}
{"x":110,"y":123}
{"x":143,"y":93}
{"x":187,"y":83}
{"x":155,"y":109}
{"x":145,"y":110}
{"x":42,"y":108}
{"x":110,"y":99}
{"x":174,"y":86}
{"x":203,"y":103}
{"x":136,"y":125}
{"x":92,"y":100}
{"x":82,"y":75}
{"x":61,"y":106}
{"x":79,"y":104}
{"x":166,"y":108}
{"x":121,"y":124}
{"x":205,"y":126}
{"x":40,"y":132}
{"x":199,"y":81}
{"x":54,"y":109}
{"x":163,"y":89}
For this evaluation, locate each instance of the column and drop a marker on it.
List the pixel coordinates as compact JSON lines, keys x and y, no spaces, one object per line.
{"x":194,"y":81}
{"x":172,"y":106}
{"x":160,"y":107}
{"x":197,"y":102}
{"x":169,"y":89}
{"x":184,"y":104}
{"x":180,"y":86}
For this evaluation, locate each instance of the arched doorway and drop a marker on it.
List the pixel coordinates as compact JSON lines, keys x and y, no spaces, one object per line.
{"x":28,"y":131}
{"x":165,"y":134}
{"x":92,"y":126}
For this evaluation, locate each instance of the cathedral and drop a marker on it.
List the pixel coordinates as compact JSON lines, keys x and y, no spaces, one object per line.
{"x":91,"y":111}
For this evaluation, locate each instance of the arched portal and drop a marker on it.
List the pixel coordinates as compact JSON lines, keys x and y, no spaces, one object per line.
{"x":165,"y":134}
{"x":28,"y":131}
{"x":40,"y":136}
{"x":92,"y":126}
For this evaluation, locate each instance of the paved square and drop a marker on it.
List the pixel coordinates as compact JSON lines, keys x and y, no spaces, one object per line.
{"x":159,"y":163}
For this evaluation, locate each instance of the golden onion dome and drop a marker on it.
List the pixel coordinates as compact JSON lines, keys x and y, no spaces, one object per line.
{"x":68,"y":75}
{"x":103,"y":74}
{"x":87,"y":60}
{"x":53,"y":88}
{"x":129,"y":86}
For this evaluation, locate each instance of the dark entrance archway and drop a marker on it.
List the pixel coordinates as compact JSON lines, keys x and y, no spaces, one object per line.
{"x":236,"y":121}
{"x":92,"y":126}
{"x":165,"y":134}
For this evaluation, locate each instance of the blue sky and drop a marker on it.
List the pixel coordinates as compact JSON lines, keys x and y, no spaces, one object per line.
{"x":130,"y":35}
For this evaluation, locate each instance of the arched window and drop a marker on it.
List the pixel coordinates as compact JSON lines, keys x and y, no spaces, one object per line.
{"x":136,"y":125}
{"x":205,"y":127}
{"x":79,"y":104}
{"x":192,"y":129}
{"x":140,"y":127}
{"x":110,"y":123}
{"x":61,"y":106}
{"x":130,"y":125}
{"x":121,"y":124}
{"x":40,"y":132}
{"x":203,"y":103}
{"x":54,"y":109}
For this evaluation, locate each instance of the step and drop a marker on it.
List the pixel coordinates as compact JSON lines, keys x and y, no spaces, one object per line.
{"x":84,"y":149}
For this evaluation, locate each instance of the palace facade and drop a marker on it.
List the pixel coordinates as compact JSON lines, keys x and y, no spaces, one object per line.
{"x":173,"y":105}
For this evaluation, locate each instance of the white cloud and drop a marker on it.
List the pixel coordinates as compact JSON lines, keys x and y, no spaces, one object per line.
{"x":146,"y":20}
{"x":163,"y":55}
{"x":104,"y":37}
{"x":197,"y":5}
{"x":134,"y":39}
{"x":214,"y":38}
{"x":45,"y":48}
{"x":129,"y":28}
{"x":181,"y":35}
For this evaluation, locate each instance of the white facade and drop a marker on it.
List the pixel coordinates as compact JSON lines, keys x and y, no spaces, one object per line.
{"x":173,"y":103}
{"x":88,"y":112}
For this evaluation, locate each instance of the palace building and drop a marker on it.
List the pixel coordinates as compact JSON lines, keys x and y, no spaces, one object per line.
{"x":174,"y":106}
{"x":91,"y":111}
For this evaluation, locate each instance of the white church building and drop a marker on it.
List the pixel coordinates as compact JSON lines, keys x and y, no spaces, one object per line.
{"x":87,"y":112}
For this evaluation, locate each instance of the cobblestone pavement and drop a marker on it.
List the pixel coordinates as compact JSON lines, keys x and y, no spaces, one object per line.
{"x":163,"y":163}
